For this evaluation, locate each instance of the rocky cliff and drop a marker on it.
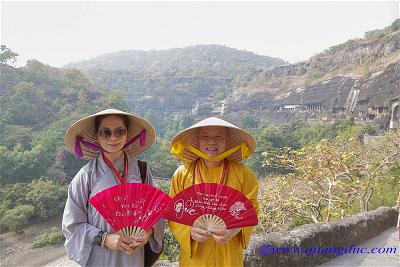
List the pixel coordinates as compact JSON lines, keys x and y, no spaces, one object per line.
{"x":357,"y":80}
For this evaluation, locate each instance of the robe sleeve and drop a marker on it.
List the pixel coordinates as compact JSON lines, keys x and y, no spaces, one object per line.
{"x":180,"y":231}
{"x":79,"y":234}
{"x":156,"y":240}
{"x":249,"y":190}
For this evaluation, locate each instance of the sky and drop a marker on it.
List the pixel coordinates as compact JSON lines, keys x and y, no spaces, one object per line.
{"x":57,"y":33}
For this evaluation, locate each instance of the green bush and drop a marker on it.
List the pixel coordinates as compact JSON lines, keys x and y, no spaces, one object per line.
{"x":298,"y":221}
{"x":171,"y":247}
{"x":47,"y":196}
{"x":17,"y":218}
{"x":387,"y":193}
{"x":12,"y":196}
{"x":51,"y":237}
{"x":163,"y":185}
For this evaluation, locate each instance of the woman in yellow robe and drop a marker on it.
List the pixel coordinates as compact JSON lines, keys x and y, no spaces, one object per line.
{"x":214,"y":143}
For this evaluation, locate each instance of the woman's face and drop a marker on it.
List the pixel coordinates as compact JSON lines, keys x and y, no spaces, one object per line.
{"x":112,"y":134}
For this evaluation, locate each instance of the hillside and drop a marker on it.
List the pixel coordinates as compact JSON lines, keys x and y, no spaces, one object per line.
{"x":198,"y":60}
{"x":194,"y":71}
{"x":209,"y":80}
{"x":37,"y":104}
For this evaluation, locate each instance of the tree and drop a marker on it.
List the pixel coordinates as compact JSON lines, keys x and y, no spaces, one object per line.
{"x":47,"y":196}
{"x":161,"y":162}
{"x":13,"y":195}
{"x":249,"y":122}
{"x":17,"y":218}
{"x":27,"y":106}
{"x":328,"y":180}
{"x":7,"y":56}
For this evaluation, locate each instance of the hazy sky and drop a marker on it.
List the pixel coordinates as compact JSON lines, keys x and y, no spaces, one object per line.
{"x":57,"y":33}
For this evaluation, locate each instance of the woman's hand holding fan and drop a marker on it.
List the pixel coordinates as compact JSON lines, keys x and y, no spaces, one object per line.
{"x":118,"y":242}
{"x":131,"y":209}
{"x":140,"y":242}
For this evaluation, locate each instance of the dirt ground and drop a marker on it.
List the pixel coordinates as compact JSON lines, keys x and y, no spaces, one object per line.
{"x":15,"y":248}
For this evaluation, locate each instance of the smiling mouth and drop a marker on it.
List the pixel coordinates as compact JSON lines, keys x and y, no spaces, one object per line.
{"x":212,"y":149}
{"x":113,"y":145}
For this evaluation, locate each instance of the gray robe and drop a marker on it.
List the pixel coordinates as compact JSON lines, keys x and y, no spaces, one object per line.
{"x":81,"y":221}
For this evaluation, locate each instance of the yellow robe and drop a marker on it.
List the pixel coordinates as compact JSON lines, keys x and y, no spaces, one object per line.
{"x":211,"y":253}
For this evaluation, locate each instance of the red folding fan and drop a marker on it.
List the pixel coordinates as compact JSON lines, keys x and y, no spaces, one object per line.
{"x":211,"y":206}
{"x":131,"y":207}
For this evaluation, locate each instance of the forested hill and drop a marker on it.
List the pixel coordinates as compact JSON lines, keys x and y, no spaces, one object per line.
{"x":206,"y":68}
{"x":37,"y":105}
{"x":198,"y":60}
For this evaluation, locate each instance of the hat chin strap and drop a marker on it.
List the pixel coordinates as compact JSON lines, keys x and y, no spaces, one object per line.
{"x":179,"y":146}
{"x":95,"y":147}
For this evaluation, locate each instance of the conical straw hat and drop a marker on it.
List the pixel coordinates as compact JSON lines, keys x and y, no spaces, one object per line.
{"x":86,"y":128}
{"x":236,"y":136}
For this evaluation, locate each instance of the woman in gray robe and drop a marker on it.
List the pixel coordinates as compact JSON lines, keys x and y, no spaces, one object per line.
{"x":112,"y":135}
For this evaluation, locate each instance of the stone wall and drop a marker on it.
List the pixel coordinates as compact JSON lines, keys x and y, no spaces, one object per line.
{"x":343,"y":233}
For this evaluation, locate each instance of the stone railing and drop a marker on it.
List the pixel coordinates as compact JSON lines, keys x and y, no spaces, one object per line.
{"x":343,"y":233}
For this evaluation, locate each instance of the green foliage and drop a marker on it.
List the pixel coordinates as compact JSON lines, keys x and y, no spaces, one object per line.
{"x":377,"y":34}
{"x":374,"y":35}
{"x":185,"y":122}
{"x":47,"y":196}
{"x":388,"y":189}
{"x":330,"y":180}
{"x":10,"y":135}
{"x":250,"y":122}
{"x":297,"y":134}
{"x":19,"y":165}
{"x":13,"y":195}
{"x":163,"y":185}
{"x":195,"y":70}
{"x":27,"y":106}
{"x":7,"y":56}
{"x":39,"y":200}
{"x":53,"y":236}
{"x":395,"y":26}
{"x":299,"y":221}
{"x":368,"y":36}
{"x":17,"y":218}
{"x":171,"y":247}
{"x":313,"y":75}
{"x":161,"y":162}
{"x":117,"y":101}
{"x":38,"y":104}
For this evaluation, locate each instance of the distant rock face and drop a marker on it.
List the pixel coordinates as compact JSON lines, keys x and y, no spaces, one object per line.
{"x":346,"y":54}
{"x":374,"y":100}
{"x":371,"y":101}
{"x":288,"y":70}
{"x":357,"y":53}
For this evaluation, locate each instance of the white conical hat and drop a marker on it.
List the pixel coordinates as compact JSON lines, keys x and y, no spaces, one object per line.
{"x":236,"y":136}
{"x":86,"y":128}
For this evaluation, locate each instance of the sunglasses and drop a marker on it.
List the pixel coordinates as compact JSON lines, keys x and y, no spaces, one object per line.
{"x":106,"y":133}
